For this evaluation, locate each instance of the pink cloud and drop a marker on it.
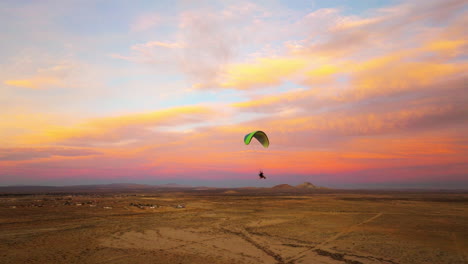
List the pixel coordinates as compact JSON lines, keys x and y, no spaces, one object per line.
{"x":145,"y":22}
{"x":43,"y":152}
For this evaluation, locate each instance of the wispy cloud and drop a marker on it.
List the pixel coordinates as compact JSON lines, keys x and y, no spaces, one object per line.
{"x":263,"y":72}
{"x":44,"y":78}
{"x":146,"y":21}
{"x":117,"y":129}
{"x":42,"y":152}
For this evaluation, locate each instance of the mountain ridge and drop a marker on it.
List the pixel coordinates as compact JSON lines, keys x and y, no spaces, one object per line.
{"x":134,"y":187}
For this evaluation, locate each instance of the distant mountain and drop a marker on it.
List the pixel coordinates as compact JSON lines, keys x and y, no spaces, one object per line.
{"x":174,"y":185}
{"x":308,"y":185}
{"x":131,"y":187}
{"x":28,"y":188}
{"x":112,"y":186}
{"x":248,"y":188}
{"x":283,"y":186}
{"x":205,"y":188}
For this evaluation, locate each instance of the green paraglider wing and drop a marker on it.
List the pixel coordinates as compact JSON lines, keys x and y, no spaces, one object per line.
{"x":260,"y":136}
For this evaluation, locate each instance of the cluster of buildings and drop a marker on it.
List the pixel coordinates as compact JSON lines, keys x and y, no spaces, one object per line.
{"x":153,"y":206}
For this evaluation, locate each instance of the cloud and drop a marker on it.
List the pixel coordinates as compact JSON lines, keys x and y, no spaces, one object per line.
{"x":16,"y":154}
{"x":321,"y":123}
{"x":207,"y":40}
{"x":35,"y":83}
{"x":328,"y":52}
{"x":44,"y":78}
{"x":145,"y":22}
{"x":151,"y":44}
{"x":202,"y":45}
{"x":164,"y":55}
{"x":209,"y":43}
{"x":119,"y":129}
{"x":264,"y":72}
{"x":16,"y":122}
{"x":400,"y":76}
{"x":285,"y":104}
{"x":348,"y":34}
{"x":453,"y":47}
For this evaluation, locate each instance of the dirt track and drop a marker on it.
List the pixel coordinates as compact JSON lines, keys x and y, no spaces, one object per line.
{"x":323,"y":228}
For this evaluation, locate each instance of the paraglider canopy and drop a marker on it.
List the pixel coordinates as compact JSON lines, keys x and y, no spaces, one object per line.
{"x":260,"y":136}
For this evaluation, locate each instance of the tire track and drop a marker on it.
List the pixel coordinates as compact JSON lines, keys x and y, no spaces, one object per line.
{"x":267,"y":251}
{"x":336,"y":256}
{"x":113,"y":259}
{"x":348,"y":230}
{"x":324,"y":251}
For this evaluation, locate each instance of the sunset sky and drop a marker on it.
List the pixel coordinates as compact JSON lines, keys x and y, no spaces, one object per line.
{"x":352,"y":94}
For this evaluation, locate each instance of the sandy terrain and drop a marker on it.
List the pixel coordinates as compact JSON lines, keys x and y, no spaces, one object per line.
{"x":231,"y":227}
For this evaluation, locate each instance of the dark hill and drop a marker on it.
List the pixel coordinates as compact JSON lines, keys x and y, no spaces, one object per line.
{"x":307,"y":185}
{"x":283,"y":186}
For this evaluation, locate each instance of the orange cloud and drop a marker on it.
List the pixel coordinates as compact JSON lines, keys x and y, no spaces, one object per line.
{"x":17,"y":124}
{"x":323,"y":74}
{"x":402,"y":76}
{"x":342,"y":123}
{"x":36,"y":82}
{"x":16,"y":154}
{"x":348,"y":23}
{"x":44,"y":78}
{"x":403,"y":70}
{"x":265,"y":71}
{"x":107,"y":128}
{"x":396,"y":70}
{"x":324,"y":70}
{"x":269,"y":100}
{"x":446,"y":44}
{"x":450,"y":48}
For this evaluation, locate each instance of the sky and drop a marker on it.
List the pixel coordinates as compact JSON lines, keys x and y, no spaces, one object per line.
{"x":352,"y":94}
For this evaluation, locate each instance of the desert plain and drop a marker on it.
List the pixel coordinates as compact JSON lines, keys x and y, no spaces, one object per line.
{"x":233,"y":226}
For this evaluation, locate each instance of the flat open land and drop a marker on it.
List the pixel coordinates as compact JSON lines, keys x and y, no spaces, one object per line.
{"x":234,"y":227}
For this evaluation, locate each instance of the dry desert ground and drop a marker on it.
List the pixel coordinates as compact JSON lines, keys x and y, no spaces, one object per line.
{"x":234,"y":227}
